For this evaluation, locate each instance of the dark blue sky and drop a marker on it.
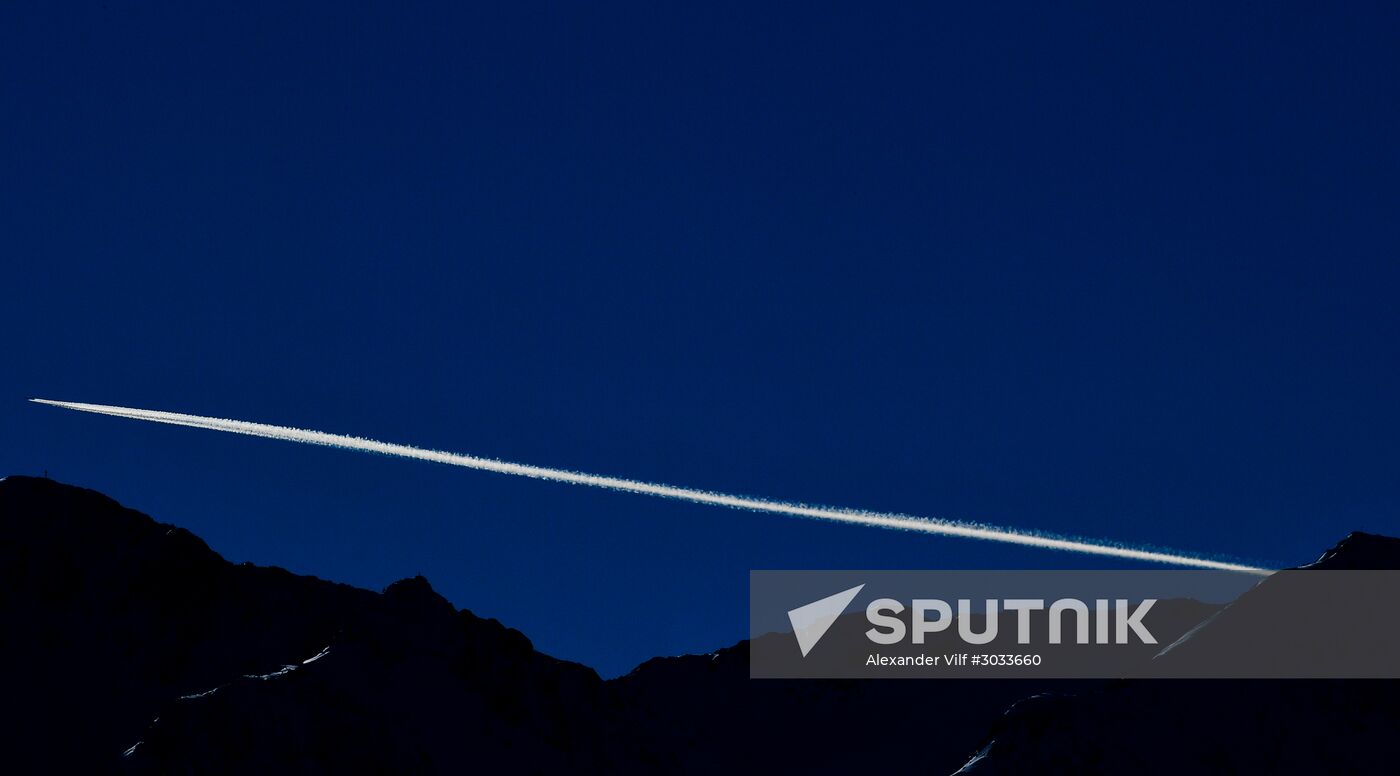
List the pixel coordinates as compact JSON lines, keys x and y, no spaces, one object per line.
{"x":1110,"y":271}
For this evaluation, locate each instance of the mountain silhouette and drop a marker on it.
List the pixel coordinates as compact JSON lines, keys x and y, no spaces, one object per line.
{"x":1286,"y":624}
{"x":135,"y":648}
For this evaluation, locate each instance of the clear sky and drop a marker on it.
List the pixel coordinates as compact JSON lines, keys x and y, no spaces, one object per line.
{"x":1113,"y":271}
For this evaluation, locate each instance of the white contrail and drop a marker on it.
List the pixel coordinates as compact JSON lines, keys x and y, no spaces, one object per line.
{"x":858,"y":517}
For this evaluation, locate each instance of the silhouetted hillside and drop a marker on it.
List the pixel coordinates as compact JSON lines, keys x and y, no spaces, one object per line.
{"x":134,"y":647}
{"x":1237,"y":725}
{"x":116,"y":620}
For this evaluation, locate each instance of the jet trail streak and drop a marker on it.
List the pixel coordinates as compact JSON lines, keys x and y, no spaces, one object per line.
{"x":857,"y":517}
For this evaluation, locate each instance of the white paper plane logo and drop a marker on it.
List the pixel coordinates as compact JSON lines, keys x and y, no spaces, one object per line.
{"x":810,"y":622}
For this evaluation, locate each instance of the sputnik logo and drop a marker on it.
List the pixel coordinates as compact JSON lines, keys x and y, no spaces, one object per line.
{"x":811,"y":622}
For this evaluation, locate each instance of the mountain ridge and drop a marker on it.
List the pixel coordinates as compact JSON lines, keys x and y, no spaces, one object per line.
{"x":146,"y":652}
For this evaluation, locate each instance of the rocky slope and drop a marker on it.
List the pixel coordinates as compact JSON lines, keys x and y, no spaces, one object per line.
{"x":145,"y":652}
{"x":1238,"y":725}
{"x":135,"y":648}
{"x":117,"y":620}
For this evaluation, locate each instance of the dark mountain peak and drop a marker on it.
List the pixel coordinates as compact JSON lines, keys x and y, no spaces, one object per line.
{"x":136,"y":637}
{"x":417,"y":594}
{"x":1360,"y":551}
{"x":1290,"y":623}
{"x":122,"y":620}
{"x":83,"y":535}
{"x":22,"y":488}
